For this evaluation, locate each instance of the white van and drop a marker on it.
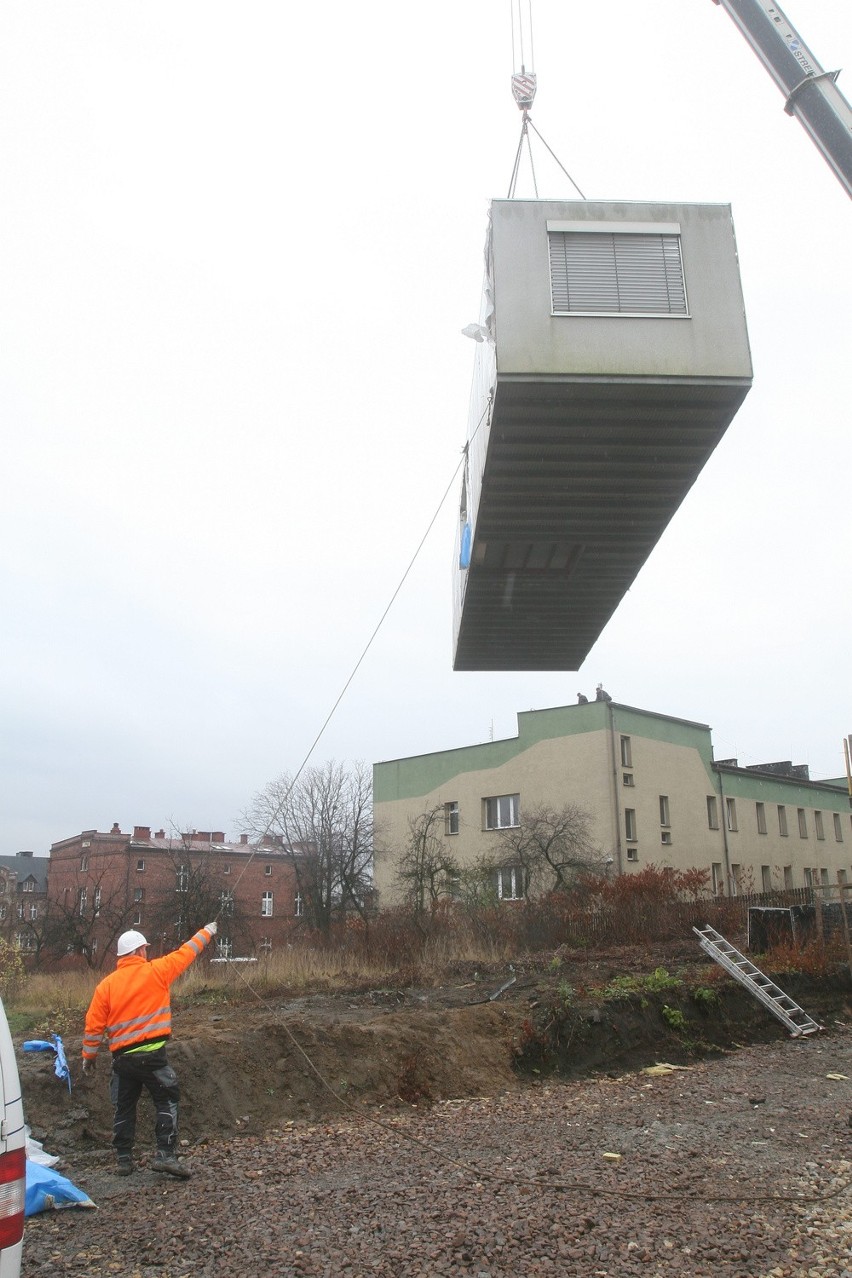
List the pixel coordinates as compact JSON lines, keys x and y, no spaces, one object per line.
{"x":13,"y":1155}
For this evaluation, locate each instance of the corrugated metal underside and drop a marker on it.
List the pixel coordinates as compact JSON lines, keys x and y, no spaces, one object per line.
{"x":580,"y":480}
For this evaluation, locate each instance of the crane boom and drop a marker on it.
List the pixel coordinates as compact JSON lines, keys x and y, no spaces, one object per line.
{"x":812,"y":94}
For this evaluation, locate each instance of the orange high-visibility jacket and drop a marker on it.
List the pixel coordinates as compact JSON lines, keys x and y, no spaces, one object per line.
{"x":131,"y":1005}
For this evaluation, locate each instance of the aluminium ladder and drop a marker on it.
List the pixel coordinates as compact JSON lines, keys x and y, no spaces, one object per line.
{"x":756,"y":982}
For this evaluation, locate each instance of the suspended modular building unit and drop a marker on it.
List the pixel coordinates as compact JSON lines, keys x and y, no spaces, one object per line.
{"x":612,"y":356}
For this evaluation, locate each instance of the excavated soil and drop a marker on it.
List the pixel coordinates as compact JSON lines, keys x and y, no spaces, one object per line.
{"x":361,"y":1133}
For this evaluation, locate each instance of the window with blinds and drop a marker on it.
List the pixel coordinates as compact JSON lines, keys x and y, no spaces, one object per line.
{"x":635,"y":270}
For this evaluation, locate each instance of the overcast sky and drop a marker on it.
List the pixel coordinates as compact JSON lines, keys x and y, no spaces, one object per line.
{"x":238,"y":243}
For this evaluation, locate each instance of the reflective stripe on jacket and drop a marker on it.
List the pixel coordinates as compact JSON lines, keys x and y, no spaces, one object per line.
{"x":132,"y":1004}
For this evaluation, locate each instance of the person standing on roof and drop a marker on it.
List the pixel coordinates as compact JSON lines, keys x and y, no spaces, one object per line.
{"x":582,"y":699}
{"x":132,"y":1007}
{"x":601,"y":694}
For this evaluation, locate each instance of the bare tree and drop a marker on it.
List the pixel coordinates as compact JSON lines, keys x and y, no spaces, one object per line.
{"x":324,"y":822}
{"x":426,"y":871}
{"x":200,"y":893}
{"x":94,"y":910}
{"x":551,"y":847}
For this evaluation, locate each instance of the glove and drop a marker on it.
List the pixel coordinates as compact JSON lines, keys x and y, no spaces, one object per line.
{"x":212,"y":927}
{"x":89,"y":1067}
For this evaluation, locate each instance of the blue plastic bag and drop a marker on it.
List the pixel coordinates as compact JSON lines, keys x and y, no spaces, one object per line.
{"x":60,"y":1065}
{"x":46,"y":1189}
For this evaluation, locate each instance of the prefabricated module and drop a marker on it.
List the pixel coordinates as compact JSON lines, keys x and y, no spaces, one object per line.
{"x":612,"y":355}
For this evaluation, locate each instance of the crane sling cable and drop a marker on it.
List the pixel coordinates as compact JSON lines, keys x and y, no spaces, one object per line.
{"x":524,"y":84}
{"x":279,"y":808}
{"x":544,"y":1180}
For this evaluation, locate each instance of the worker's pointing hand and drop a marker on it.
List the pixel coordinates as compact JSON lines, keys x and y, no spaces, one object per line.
{"x":212,"y":927}
{"x":88,"y":1068}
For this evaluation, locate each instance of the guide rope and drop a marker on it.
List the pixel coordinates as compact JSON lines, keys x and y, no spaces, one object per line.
{"x":281,"y":805}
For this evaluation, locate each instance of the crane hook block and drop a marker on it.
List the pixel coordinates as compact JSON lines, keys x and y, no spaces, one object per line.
{"x":523,"y":89}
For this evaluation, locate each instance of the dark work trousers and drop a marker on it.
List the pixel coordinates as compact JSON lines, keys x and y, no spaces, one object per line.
{"x":131,"y":1072}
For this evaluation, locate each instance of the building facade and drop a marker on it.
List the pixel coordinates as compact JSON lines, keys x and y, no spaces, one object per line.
{"x":653,"y":791}
{"x":23,"y":900}
{"x":99,"y":885}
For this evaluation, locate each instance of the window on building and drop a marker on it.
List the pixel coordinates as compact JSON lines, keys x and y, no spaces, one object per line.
{"x":736,"y":879}
{"x":266,"y":905}
{"x":627,"y":778}
{"x":823,"y":878}
{"x":97,"y":901}
{"x":138,"y":894}
{"x":712,"y":812}
{"x":298,"y":905}
{"x":788,"y":878}
{"x":838,"y":828}
{"x":226,"y":903}
{"x":451,"y":818}
{"x":502,"y":812}
{"x":94,"y":946}
{"x":809,"y":877}
{"x":803,"y":823}
{"x":20,"y":909}
{"x":718,"y":878}
{"x":223,"y":947}
{"x":84,"y":862}
{"x":665,"y":836}
{"x":140,"y":864}
{"x":818,"y":825}
{"x":766,"y":878}
{"x":33,"y":913}
{"x":226,"y":869}
{"x":664,"y":810}
{"x":731,"y":814}
{"x":265,"y":946}
{"x":137,"y":918}
{"x":25,"y":941}
{"x":267,"y":869}
{"x":633,"y":854}
{"x":81,"y":901}
{"x":626,"y":753}
{"x":630,"y":824}
{"x":4,"y":909}
{"x":28,"y":885}
{"x":760,"y":810}
{"x":181,"y":879}
{"x":636,"y":270}
{"x":782,"y":820}
{"x":510,"y":883}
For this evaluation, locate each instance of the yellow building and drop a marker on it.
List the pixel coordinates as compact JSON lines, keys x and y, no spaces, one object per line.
{"x":652,"y":789}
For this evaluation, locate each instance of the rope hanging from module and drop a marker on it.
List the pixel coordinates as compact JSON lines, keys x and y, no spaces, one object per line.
{"x":524,"y":85}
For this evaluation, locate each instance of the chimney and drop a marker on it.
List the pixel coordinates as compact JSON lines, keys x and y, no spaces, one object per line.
{"x":218,"y":836}
{"x":141,"y":833}
{"x":161,"y":834}
{"x":116,"y":828}
{"x":25,"y":854}
{"x":243,"y":839}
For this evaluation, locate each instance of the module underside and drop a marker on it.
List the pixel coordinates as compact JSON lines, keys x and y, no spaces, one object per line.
{"x":581,"y":478}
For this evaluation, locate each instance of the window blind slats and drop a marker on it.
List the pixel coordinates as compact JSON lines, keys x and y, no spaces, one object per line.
{"x":616,"y":274}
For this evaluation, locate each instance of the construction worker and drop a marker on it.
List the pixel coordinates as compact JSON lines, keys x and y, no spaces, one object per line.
{"x":131,"y":1006}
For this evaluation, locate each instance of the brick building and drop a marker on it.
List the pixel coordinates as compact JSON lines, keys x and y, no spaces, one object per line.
{"x":167,"y":886}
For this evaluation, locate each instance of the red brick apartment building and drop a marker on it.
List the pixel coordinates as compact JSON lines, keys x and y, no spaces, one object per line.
{"x":101,"y":884}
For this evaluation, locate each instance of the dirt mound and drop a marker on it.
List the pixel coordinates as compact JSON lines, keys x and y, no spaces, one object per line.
{"x":245,"y":1067}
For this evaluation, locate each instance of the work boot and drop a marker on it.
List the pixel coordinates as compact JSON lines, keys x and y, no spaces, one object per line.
{"x":165,"y":1161}
{"x":125,"y":1165}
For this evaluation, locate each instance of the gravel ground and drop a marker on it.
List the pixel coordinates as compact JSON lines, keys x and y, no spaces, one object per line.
{"x":508,"y":1186}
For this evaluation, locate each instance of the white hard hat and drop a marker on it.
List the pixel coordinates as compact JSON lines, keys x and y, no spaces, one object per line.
{"x":129,"y":941}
